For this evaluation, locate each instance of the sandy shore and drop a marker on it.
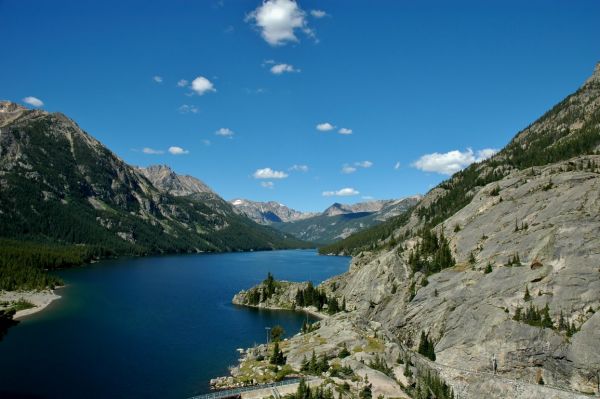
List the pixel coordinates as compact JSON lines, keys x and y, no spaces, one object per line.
{"x":41,"y":299}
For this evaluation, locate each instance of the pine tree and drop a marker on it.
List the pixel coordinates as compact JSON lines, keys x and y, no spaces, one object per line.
{"x":277,"y":357}
{"x":546,"y":320}
{"x":526,"y":297}
{"x":344,"y":352}
{"x":366,"y":392}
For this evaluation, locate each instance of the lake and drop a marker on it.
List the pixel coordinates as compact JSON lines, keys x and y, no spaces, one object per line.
{"x":157,"y":327}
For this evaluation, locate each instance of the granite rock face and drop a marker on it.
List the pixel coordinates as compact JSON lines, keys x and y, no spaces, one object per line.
{"x":524,"y":230}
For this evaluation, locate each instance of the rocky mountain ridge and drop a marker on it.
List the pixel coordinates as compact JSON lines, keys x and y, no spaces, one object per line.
{"x":165,"y":179}
{"x":336,"y":222}
{"x":340,"y":221}
{"x":268,"y":212}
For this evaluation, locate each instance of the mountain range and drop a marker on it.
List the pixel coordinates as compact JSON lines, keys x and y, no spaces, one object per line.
{"x":335,"y":223}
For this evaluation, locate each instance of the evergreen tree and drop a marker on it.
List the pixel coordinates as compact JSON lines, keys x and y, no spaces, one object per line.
{"x":426,"y":347}
{"x":344,"y":352}
{"x":277,"y":333}
{"x":526,"y":297}
{"x":277,"y":357}
{"x":366,"y":392}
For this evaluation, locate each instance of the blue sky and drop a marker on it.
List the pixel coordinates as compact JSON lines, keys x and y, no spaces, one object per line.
{"x":409,"y":79}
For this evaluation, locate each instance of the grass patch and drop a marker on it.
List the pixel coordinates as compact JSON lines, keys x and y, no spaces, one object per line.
{"x":374,"y":345}
{"x":22,"y":304}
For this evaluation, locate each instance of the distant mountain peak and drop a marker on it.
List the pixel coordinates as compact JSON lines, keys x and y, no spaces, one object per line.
{"x":267,"y":212}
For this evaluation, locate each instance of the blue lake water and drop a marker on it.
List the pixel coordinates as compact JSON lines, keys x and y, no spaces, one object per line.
{"x":158,"y":327}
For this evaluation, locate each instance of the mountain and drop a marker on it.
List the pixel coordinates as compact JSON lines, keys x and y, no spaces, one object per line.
{"x":62,"y":189}
{"x":268,"y":212}
{"x":341,"y":220}
{"x":500,"y":260}
{"x":165,"y":179}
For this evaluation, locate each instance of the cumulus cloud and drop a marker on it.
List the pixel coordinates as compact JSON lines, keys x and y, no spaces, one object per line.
{"x":325,"y":127}
{"x":318,"y":13}
{"x":182,"y":83}
{"x":345,"y":130}
{"x":278,"y":21}
{"x":157,"y":79}
{"x":201,"y":85}
{"x":267,"y":184}
{"x":177,"y":150}
{"x":268,"y":173}
{"x":344,"y":192}
{"x":33,"y":101}
{"x":281,"y":68}
{"x":397,"y":166}
{"x":151,"y":151}
{"x":451,"y":162}
{"x":186,"y":109}
{"x":225,"y":132}
{"x":299,"y":168}
{"x":347,"y":169}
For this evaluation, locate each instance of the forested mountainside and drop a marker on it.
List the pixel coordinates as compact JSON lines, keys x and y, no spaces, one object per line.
{"x":71,"y":199}
{"x":501,"y":261}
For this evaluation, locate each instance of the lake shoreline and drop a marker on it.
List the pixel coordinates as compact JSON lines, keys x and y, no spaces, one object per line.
{"x":40,"y":299}
{"x":310,"y":312}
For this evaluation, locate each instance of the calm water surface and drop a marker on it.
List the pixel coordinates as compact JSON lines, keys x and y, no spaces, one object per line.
{"x":157,"y":327}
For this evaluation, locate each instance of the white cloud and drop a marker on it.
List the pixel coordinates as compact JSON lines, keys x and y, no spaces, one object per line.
{"x":278,"y":21}
{"x":33,"y":101}
{"x":397,"y":166}
{"x":281,"y":68}
{"x":186,"y":109}
{"x":206,"y":142}
{"x":182,"y":83}
{"x":225,"y":132}
{"x":368,"y":197}
{"x":347,"y":169}
{"x":151,"y":151}
{"x":452,"y":161}
{"x":485,"y":154}
{"x":318,"y":13}
{"x":344,"y":192}
{"x":268,"y":173}
{"x":267,"y":184}
{"x":364,"y":164}
{"x":201,"y":85}
{"x":345,"y":130}
{"x":299,"y":168}
{"x":177,"y":150}
{"x":325,"y":127}
{"x":157,"y":79}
